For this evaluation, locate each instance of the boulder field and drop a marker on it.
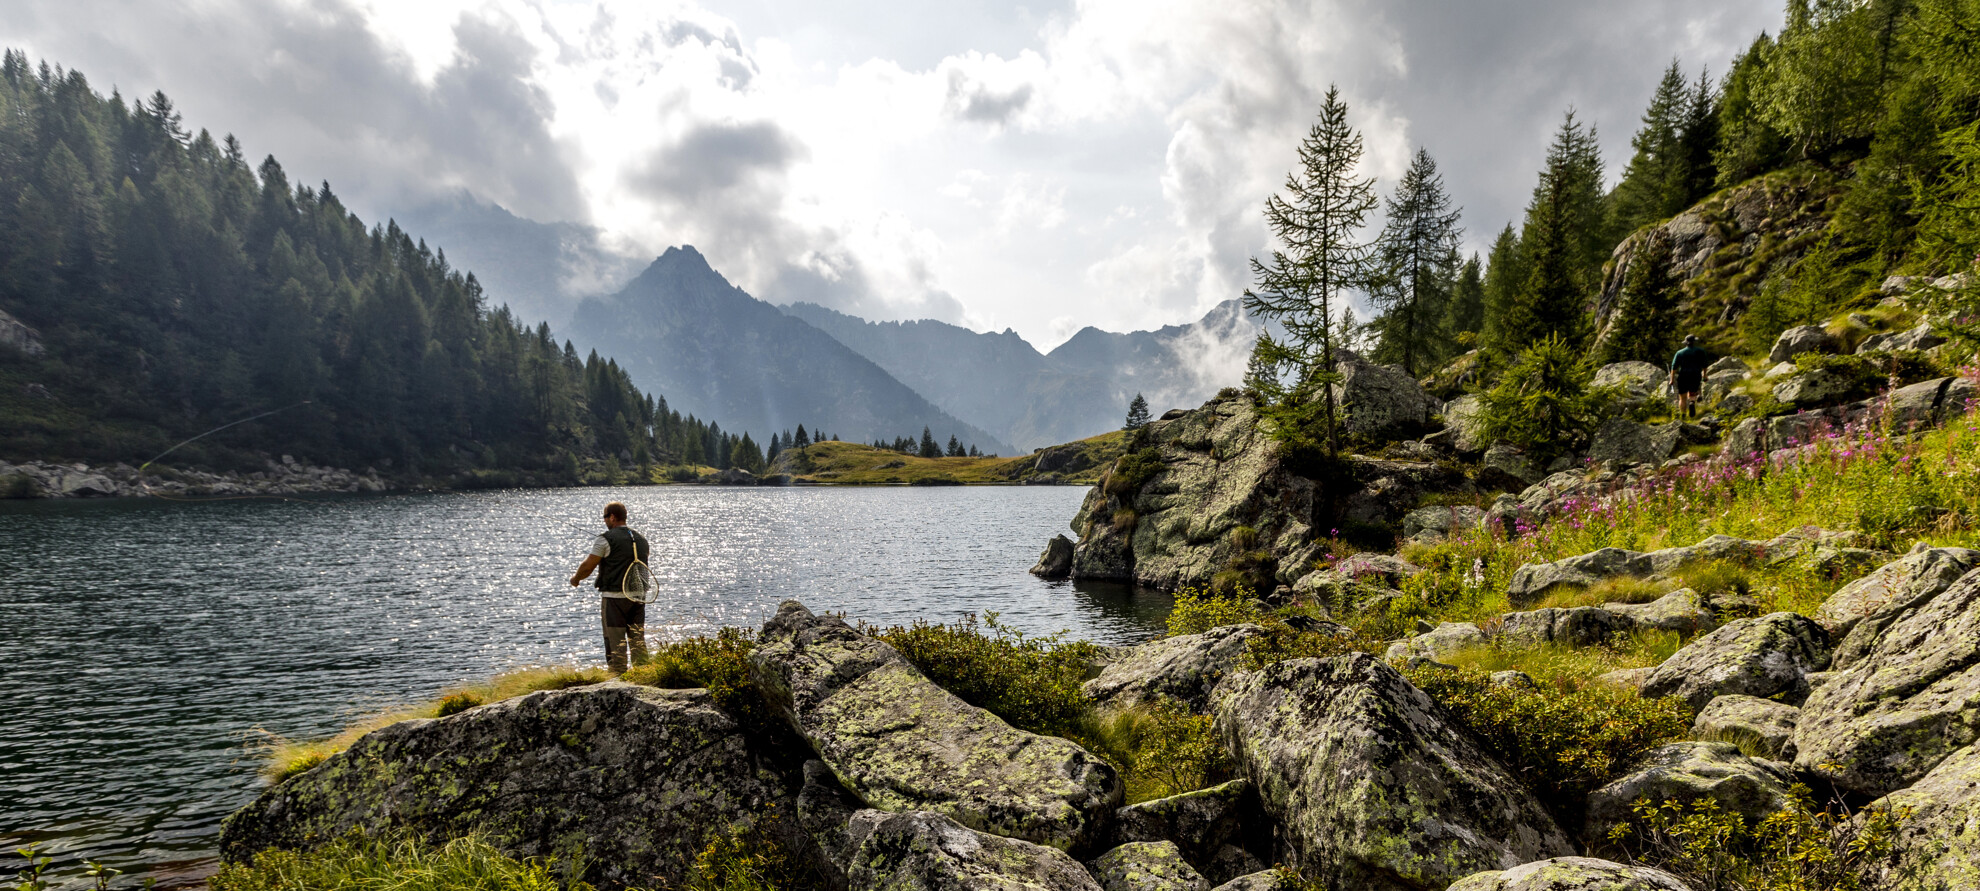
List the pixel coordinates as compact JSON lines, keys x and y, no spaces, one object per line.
{"x":869,"y":775}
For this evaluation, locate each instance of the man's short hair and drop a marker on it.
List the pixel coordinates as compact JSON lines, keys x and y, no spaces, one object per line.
{"x":616,"y":511}
{"x":1690,"y":339}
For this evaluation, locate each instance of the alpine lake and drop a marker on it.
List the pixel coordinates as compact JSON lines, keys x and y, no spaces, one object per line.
{"x":155,"y":648}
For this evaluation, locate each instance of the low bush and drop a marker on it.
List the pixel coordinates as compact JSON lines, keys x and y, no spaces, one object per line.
{"x":719,"y":664}
{"x":1796,"y":849}
{"x":1564,"y":740}
{"x":1031,"y":682}
{"x":1281,"y":642}
{"x":1544,"y":403}
{"x":1160,"y":750}
{"x":1132,"y":471}
{"x":1197,"y":611}
{"x":455,"y":704}
{"x":748,"y":858}
{"x":399,"y":863}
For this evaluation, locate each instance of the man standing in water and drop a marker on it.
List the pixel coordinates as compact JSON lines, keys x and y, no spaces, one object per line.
{"x":625,"y":620}
{"x":1688,"y":375}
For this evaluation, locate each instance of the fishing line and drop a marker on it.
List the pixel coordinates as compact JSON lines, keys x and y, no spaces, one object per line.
{"x":208,"y":433}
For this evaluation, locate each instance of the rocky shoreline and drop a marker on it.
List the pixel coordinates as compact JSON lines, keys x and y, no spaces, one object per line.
{"x":36,"y":479}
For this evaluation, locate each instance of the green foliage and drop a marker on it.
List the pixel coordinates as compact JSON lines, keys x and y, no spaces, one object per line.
{"x":455,"y":704}
{"x":1565,"y":741}
{"x":1303,"y":287}
{"x":20,"y":485}
{"x":1137,"y":415}
{"x":1415,"y":270}
{"x":1132,"y":471}
{"x":178,"y":288}
{"x":1826,"y":74}
{"x":1281,"y":642}
{"x":1197,"y":611}
{"x":1465,"y":314}
{"x":747,"y":858}
{"x":31,"y":878}
{"x":1748,"y":144}
{"x":719,"y":664}
{"x":393,"y":863}
{"x":1672,"y":164}
{"x":1645,"y":325}
{"x":1544,"y":403}
{"x":1031,"y":682}
{"x":1794,"y":849}
{"x":1565,"y":239}
{"x":1160,"y":749}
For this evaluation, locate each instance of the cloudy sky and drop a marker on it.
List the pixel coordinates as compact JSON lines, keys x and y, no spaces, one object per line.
{"x":1040,"y":166}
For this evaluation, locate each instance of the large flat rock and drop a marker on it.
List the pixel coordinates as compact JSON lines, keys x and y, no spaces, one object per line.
{"x":636,"y":777}
{"x":922,"y":851}
{"x":899,"y":742}
{"x":1906,"y":703}
{"x":1369,"y":786}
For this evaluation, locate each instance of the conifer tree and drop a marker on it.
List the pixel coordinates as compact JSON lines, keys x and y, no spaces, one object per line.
{"x":1505,"y":274}
{"x":1746,"y":143}
{"x":1566,"y":237}
{"x":1645,"y":324}
{"x":1654,"y":185}
{"x":1416,"y":266}
{"x":1465,"y":314}
{"x":928,"y":447}
{"x":803,"y":438}
{"x":1317,"y":220}
{"x":955,"y":449}
{"x":1137,"y":415}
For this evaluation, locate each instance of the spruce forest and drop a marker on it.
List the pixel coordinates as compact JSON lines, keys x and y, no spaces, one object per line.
{"x":1867,"y":111}
{"x":202,"y":289}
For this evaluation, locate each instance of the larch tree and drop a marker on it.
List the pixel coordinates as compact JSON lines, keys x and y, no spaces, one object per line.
{"x":1303,"y":284}
{"x":1416,"y":267}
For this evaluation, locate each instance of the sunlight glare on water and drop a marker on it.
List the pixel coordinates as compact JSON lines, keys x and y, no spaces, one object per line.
{"x":151,"y":643}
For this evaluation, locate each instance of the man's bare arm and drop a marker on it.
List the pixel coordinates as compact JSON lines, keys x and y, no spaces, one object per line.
{"x":584,"y":570}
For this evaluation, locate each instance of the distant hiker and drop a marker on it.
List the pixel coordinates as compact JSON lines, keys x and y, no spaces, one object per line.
{"x":1688,"y":374}
{"x":625,"y":620}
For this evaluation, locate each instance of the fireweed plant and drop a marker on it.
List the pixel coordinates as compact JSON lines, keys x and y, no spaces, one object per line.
{"x":1891,"y":485}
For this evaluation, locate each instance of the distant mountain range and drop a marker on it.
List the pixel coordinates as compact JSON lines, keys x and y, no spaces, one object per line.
{"x":683,"y":330}
{"x":1031,"y":399}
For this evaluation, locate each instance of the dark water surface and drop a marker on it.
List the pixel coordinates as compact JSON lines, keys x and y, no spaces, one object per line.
{"x":149,"y":645}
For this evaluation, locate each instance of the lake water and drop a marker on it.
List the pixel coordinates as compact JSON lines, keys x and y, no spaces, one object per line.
{"x":150,"y":645}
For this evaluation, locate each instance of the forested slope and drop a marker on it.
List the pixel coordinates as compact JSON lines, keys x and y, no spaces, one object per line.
{"x":164,"y":287}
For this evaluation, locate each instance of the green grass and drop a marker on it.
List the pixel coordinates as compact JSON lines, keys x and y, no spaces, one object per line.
{"x":857,"y":464}
{"x":286,"y":758}
{"x":401,"y":863}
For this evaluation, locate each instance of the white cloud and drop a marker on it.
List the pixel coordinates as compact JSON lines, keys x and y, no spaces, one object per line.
{"x":1098,"y":162}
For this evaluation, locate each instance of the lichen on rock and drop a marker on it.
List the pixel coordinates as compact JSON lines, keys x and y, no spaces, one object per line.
{"x":901,"y":743}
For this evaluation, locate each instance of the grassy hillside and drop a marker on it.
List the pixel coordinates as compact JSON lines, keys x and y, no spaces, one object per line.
{"x":855,"y":464}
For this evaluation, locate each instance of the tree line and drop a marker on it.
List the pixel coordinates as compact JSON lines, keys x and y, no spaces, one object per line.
{"x":1882,"y":94}
{"x":176,"y":288}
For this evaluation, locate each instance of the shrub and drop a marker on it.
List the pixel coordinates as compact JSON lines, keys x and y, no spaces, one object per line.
{"x":20,"y":485}
{"x":1794,"y":849}
{"x":1132,"y":471}
{"x":1564,"y":741}
{"x":1031,"y":682}
{"x":1160,"y":749}
{"x":399,"y":863}
{"x":719,"y":664}
{"x":1543,"y":403}
{"x":1197,"y":611}
{"x":748,"y":858}
{"x":1281,"y":642}
{"x":455,"y":704}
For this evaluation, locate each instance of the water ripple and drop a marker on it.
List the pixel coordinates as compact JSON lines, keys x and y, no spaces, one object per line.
{"x":151,"y":643}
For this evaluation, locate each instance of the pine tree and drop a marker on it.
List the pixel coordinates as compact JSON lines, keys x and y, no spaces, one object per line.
{"x":1827,"y":72}
{"x":1654,"y":186}
{"x":1645,"y":325}
{"x":1465,"y":314}
{"x":1566,"y":237}
{"x":1505,"y":274}
{"x":973,"y":453}
{"x":1137,"y":415}
{"x":803,"y":438}
{"x":928,"y":447}
{"x":1318,"y":221}
{"x":1416,"y":266}
{"x":955,"y":449}
{"x":1747,"y":143}
{"x":1698,"y":138}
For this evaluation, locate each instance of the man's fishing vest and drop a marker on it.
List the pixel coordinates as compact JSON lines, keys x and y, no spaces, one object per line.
{"x":612,"y":570}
